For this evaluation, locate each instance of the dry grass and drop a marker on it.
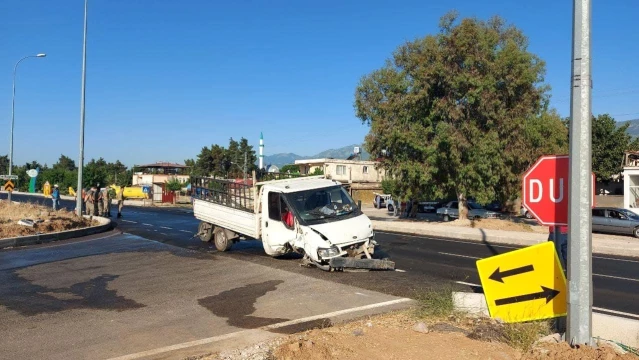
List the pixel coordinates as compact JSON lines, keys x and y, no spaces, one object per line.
{"x":48,"y":220}
{"x":523,"y":336}
{"x":435,"y":303}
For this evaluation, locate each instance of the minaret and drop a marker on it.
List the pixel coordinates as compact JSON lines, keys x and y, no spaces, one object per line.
{"x":261,"y":151}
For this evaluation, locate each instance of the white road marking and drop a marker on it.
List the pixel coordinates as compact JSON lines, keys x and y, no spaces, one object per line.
{"x":613,"y":259}
{"x":186,"y":231}
{"x":467,"y":283}
{"x":145,"y":224}
{"x":82,"y":241}
{"x":616,"y":312}
{"x":457,"y":255}
{"x":189,"y":344}
{"x":448,"y":240}
{"x":164,"y":227}
{"x":399,"y":270}
{"x":129,"y":221}
{"x":616,"y":277}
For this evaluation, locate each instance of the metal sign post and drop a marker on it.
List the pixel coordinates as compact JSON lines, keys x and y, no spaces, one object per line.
{"x":579,"y":327}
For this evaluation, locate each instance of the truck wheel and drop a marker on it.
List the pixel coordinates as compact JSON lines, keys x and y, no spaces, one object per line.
{"x":222,"y":242}
{"x":205,"y":231}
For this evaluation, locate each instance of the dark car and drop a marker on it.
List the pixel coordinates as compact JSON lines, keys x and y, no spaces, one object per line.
{"x":493,"y":206}
{"x":428,"y":206}
{"x":615,"y":221}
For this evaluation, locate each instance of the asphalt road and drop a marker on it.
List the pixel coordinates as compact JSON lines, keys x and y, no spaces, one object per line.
{"x":122,"y":296}
{"x":427,"y":261}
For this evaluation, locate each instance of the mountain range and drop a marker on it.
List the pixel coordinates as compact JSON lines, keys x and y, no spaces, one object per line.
{"x":282,"y":159}
{"x":289,"y":158}
{"x":633,"y":129}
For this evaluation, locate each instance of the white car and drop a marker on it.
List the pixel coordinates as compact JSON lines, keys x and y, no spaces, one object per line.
{"x":525,"y":213}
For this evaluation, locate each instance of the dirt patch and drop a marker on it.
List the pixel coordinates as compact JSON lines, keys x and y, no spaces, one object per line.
{"x":407,"y":335}
{"x":390,"y":336}
{"x":45,"y":220}
{"x":563,"y":351}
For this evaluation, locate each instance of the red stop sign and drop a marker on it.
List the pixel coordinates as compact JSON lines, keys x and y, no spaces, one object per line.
{"x":545,"y":190}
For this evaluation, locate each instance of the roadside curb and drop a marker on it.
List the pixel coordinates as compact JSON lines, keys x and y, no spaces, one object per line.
{"x":626,"y":248}
{"x":622,"y":329}
{"x":105,"y":225}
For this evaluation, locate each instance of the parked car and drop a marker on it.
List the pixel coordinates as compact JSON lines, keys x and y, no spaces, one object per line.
{"x":428,"y":206}
{"x":475,"y":211}
{"x":615,"y":221}
{"x":525,"y":213}
{"x":381,"y":200}
{"x":493,"y":206}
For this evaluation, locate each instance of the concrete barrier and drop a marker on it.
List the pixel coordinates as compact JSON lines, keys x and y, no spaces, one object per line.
{"x":607,"y":327}
{"x":104,"y":225}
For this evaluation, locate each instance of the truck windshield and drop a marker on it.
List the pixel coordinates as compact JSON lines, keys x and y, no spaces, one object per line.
{"x":323,"y":205}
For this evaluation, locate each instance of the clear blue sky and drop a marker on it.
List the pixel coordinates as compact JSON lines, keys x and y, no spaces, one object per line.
{"x":168,"y":77}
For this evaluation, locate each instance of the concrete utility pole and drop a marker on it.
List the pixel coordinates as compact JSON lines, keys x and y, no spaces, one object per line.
{"x":13,"y":115}
{"x":579,"y":326}
{"x":78,"y":202}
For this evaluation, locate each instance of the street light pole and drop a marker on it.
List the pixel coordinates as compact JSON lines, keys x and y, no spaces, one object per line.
{"x":579,"y":327}
{"x":78,"y":203}
{"x":13,"y":112}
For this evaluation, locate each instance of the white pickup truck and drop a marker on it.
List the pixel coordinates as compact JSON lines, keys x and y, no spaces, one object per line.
{"x":312,"y":216}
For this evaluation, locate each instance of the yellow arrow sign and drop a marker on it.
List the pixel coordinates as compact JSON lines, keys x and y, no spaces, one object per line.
{"x":523,"y":285}
{"x":8,"y":186}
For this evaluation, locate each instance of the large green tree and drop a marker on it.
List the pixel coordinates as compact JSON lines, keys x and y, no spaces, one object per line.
{"x":608,"y":145}
{"x":220,"y":161}
{"x":450,"y":113}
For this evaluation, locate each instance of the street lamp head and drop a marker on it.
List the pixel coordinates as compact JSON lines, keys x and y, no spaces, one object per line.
{"x":41,"y":55}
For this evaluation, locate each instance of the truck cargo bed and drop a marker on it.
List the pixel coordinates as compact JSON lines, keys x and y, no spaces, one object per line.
{"x":240,"y":221}
{"x":225,"y":203}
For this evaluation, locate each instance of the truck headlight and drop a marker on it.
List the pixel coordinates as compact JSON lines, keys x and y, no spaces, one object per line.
{"x":327,"y":253}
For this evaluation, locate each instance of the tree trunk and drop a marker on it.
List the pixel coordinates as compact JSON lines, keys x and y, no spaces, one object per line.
{"x":462,"y":206}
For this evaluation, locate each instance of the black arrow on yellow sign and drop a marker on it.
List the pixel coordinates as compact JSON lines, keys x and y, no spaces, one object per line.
{"x":8,"y":186}
{"x":546,"y":293}
{"x":500,"y":275}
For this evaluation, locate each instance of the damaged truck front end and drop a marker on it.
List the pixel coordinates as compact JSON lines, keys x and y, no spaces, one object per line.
{"x":338,"y":243}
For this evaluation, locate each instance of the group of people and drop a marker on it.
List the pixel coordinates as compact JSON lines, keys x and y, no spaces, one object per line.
{"x":97,"y":201}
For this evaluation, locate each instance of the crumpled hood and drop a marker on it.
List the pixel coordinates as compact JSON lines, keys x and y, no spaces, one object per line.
{"x":345,"y":231}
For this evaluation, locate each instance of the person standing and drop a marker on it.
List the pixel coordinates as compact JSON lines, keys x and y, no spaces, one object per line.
{"x":106,"y":202}
{"x":100,"y":202}
{"x":120,"y":197}
{"x":90,"y":200}
{"x":55,"y":196}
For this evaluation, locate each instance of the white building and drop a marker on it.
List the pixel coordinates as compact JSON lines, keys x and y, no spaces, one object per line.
{"x":631,"y":181}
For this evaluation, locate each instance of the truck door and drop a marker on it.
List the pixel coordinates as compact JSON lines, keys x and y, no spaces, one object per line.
{"x":275,"y":232}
